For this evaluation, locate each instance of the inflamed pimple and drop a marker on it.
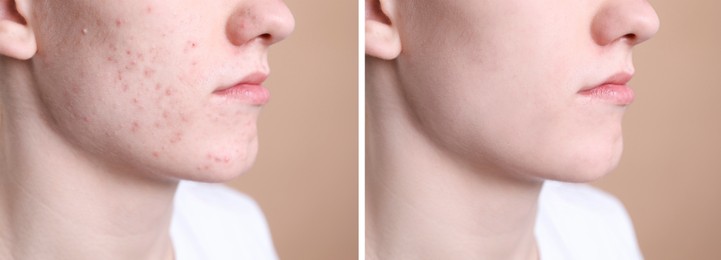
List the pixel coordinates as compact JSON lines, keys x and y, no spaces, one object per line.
{"x":85,"y":30}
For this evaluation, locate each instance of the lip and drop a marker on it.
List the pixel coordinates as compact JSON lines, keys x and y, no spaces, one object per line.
{"x":613,"y":90}
{"x":249,"y":90}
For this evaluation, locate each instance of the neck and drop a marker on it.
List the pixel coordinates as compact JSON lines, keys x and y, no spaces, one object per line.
{"x":424,"y":203}
{"x":55,"y":197}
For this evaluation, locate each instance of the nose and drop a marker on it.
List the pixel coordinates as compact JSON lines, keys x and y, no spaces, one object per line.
{"x":632,"y":20}
{"x":269,"y":21}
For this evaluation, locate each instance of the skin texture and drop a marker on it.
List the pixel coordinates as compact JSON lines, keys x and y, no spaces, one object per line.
{"x":472,"y":104}
{"x":125,"y":83}
{"x":106,"y":105}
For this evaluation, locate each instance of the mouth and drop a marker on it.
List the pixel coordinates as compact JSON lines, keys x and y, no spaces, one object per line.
{"x":248,"y":90}
{"x":613,"y":90}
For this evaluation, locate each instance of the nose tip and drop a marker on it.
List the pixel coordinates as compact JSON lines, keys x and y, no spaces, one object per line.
{"x":633,"y":20}
{"x":646,"y":23}
{"x":270,"y":21}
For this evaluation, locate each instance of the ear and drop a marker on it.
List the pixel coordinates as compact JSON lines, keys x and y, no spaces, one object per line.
{"x":17,"y":39}
{"x":382,"y":38}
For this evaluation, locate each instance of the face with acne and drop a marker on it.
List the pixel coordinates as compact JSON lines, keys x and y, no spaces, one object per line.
{"x":134,"y":83}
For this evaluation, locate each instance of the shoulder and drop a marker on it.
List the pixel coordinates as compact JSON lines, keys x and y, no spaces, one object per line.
{"x":577,"y":221}
{"x":212,"y":221}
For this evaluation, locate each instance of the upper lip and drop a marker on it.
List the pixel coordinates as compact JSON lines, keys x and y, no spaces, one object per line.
{"x":620,"y":78}
{"x":255,"y":78}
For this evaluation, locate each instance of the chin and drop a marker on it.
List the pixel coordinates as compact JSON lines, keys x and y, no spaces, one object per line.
{"x":590,"y":165}
{"x":216,"y":167}
{"x":220,"y":173}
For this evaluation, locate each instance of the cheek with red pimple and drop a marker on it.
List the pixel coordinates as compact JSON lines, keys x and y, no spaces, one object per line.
{"x":148,"y":95}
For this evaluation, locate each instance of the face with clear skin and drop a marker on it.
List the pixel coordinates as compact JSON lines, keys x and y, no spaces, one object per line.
{"x":131,"y":84}
{"x":496,"y":83}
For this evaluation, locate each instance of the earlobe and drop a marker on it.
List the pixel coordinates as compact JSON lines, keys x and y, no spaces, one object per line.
{"x":381,"y":35}
{"x":17,"y":39}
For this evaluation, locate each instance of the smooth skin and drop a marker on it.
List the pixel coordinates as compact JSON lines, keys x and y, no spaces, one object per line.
{"x":471,"y":105}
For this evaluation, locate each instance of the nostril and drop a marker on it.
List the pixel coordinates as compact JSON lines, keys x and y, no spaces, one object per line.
{"x":266,"y":36}
{"x":631,"y":37}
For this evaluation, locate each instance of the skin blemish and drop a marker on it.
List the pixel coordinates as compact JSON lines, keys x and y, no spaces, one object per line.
{"x":135,"y":127}
{"x":158,"y":86}
{"x":184,"y":118}
{"x":218,"y":159}
{"x":168,"y":92}
{"x":118,"y":22}
{"x":166,"y":114}
{"x":86,"y":119}
{"x":149,"y":9}
{"x":190,"y":45}
{"x":177,"y":137}
{"x":149,"y":72}
{"x":156,"y":154}
{"x":85,"y":31}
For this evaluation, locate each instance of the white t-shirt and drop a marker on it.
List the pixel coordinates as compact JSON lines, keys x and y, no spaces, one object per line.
{"x":211,"y":221}
{"x":577,"y":221}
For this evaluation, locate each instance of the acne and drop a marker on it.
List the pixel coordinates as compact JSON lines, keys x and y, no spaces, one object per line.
{"x":190,"y":45}
{"x":217,"y":159}
{"x":135,"y":127}
{"x":177,"y":137}
{"x":149,"y":72}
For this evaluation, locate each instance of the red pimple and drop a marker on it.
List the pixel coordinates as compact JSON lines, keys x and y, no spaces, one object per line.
{"x":156,"y":154}
{"x":149,"y":72}
{"x":149,"y":9}
{"x":168,"y":92}
{"x":177,"y":137}
{"x":86,"y":119}
{"x":125,"y":87}
{"x":118,"y":22}
{"x":135,"y":127}
{"x":157,"y":86}
{"x":166,"y":114}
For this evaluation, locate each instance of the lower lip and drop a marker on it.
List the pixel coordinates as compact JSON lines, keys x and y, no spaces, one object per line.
{"x":254,"y":94}
{"x":613,"y":93}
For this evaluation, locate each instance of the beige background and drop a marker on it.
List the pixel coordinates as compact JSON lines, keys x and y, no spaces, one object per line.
{"x":306,"y":175}
{"x":670,"y":175}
